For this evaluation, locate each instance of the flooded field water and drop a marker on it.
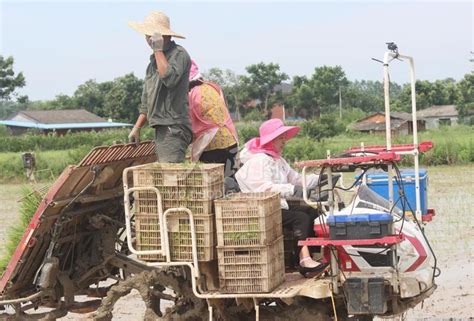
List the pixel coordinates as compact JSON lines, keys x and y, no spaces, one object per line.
{"x":450,"y":193}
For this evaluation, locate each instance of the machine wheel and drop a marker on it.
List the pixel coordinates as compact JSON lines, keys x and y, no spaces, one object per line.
{"x":151,"y":286}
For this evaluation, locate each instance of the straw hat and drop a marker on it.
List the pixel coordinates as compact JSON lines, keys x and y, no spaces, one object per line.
{"x":155,"y":22}
{"x":273,"y":128}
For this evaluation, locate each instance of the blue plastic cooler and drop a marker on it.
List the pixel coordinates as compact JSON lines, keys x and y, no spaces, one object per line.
{"x":359,"y":226}
{"x":378,"y":183}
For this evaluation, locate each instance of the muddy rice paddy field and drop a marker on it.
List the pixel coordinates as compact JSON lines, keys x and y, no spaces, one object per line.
{"x":451,"y":193}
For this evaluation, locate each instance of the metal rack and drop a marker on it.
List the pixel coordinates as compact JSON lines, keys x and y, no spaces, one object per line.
{"x":368,"y":156}
{"x":371,"y":156}
{"x":321,"y":287}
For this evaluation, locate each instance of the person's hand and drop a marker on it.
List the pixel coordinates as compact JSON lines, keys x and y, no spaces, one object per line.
{"x":156,"y":42}
{"x":134,"y":136}
{"x":316,"y":195}
{"x":298,"y":191}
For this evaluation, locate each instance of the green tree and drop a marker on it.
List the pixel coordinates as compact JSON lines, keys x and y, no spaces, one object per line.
{"x":118,"y":99}
{"x":439,"y":92}
{"x":237,"y":91}
{"x":216,"y":75}
{"x":368,"y":95}
{"x":254,"y":115}
{"x":301,"y":99}
{"x":39,"y":105}
{"x":444,"y":92}
{"x":7,"y":108}
{"x":123,"y":99}
{"x":63,"y":101}
{"x":321,"y":91}
{"x":91,"y":96}
{"x":326,"y":83}
{"x":365,"y":95}
{"x":326,"y":126}
{"x":262,"y":80}
{"x":9,"y":82}
{"x":465,"y":99}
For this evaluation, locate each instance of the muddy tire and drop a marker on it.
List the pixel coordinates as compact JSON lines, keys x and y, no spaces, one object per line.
{"x":151,"y":286}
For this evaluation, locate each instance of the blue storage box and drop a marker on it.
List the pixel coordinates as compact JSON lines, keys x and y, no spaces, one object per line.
{"x":378,"y":183}
{"x":359,"y":226}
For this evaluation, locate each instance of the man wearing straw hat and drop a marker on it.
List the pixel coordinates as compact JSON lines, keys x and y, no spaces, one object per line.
{"x":165,"y":90}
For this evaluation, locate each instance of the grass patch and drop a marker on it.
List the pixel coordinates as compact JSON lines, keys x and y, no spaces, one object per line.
{"x":38,"y":142}
{"x":28,"y":205}
{"x":47,"y":163}
{"x":452,"y":145}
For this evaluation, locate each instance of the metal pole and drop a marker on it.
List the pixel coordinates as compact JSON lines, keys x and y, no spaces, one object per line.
{"x":415,"y":137}
{"x":388,"y":127}
{"x":334,"y":265}
{"x":386,"y":87}
{"x":193,"y":235}
{"x":210,"y":311}
{"x":257,"y":309}
{"x":340,"y":102}
{"x":305,"y":193}
{"x":128,"y":216}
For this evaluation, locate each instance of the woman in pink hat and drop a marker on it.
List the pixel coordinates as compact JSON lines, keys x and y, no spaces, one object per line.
{"x":215,"y":138}
{"x":265,"y":170}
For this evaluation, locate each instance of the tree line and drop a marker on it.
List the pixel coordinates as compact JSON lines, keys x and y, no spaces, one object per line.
{"x":250,"y":96}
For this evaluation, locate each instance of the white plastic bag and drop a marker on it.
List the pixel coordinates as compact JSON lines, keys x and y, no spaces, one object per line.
{"x":200,"y":144}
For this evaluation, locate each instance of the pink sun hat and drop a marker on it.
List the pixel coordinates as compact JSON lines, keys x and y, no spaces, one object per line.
{"x":273,"y":128}
{"x":194,"y":73}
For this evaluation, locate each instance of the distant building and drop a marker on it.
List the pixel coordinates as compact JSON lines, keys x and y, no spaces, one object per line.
{"x":252,"y":103}
{"x":435,"y":116}
{"x":278,"y":111}
{"x":58,"y":121}
{"x":401,"y":123}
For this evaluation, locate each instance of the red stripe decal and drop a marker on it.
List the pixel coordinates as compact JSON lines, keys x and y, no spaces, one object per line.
{"x":421,"y":252}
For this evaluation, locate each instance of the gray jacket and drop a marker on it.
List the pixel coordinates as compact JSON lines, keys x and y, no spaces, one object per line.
{"x":165,"y":99}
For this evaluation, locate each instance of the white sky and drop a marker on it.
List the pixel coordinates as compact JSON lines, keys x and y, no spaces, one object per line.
{"x":59,"y":45}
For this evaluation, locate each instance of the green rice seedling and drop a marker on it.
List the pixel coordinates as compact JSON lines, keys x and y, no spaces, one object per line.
{"x":28,"y":206}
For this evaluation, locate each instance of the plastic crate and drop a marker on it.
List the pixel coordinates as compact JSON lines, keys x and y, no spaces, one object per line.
{"x":170,"y":174}
{"x":148,"y":237}
{"x":244,"y":219}
{"x":247,"y":230}
{"x":252,"y":269}
{"x":181,"y":242}
{"x":145,"y":202}
{"x":359,"y":226}
{"x":180,"y":185}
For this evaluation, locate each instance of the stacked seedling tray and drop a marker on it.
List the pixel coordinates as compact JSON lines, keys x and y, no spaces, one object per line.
{"x":250,"y":242}
{"x":192,"y":186}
